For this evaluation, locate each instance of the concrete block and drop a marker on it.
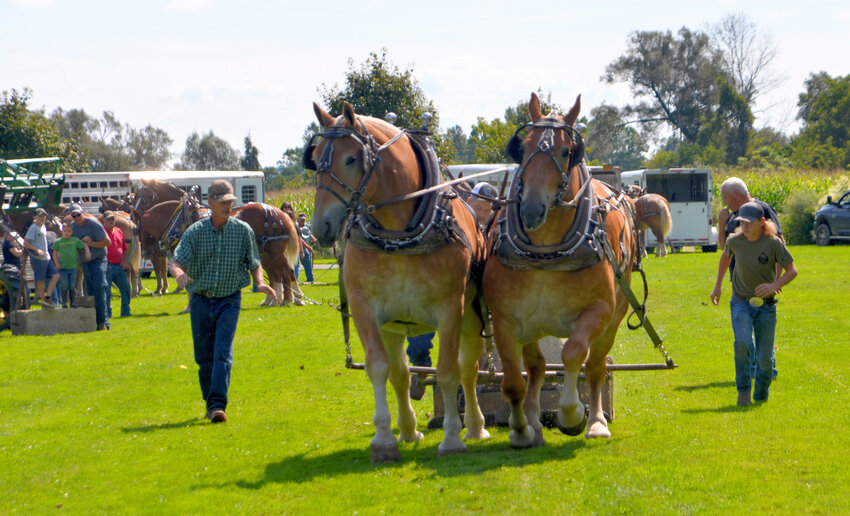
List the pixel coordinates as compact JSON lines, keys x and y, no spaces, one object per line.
{"x":51,"y":322}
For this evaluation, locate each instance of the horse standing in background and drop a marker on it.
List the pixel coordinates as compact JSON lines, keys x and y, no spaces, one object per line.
{"x":279,"y":246}
{"x":406,"y":266}
{"x":152,"y":193}
{"x":652,"y":211}
{"x":559,"y":256}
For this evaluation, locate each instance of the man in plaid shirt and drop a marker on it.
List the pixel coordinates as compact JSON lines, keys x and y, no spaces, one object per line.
{"x":214,"y":261}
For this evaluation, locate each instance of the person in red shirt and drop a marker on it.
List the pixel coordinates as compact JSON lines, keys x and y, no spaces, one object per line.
{"x":116,"y":264}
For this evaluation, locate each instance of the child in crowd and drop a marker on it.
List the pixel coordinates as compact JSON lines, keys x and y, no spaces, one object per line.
{"x":757,"y":251}
{"x":36,"y":244}
{"x":65,"y":256}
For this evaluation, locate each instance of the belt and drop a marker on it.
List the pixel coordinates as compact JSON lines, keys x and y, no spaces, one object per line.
{"x":768,"y":301}
{"x":206,"y":294}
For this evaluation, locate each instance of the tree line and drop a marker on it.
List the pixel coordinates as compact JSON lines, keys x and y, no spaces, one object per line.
{"x":88,"y":143}
{"x":694,"y":94}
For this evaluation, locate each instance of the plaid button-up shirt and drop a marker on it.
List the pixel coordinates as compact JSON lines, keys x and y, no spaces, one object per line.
{"x":219,"y":261}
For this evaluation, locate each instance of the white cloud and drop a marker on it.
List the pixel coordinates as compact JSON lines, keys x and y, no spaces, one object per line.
{"x":38,"y":4}
{"x":189,"y":5}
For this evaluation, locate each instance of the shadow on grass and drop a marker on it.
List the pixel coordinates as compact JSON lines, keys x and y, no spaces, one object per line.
{"x":722,"y":410}
{"x":481,"y":456}
{"x":140,"y":316}
{"x":165,"y":426}
{"x":701,"y":386}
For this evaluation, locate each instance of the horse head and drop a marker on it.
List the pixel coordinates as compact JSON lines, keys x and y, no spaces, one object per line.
{"x":547,"y":154}
{"x":349,"y":171}
{"x":635,"y":191}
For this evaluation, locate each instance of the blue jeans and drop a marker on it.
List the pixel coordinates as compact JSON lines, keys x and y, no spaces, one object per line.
{"x":755,"y":329}
{"x":115,"y":274}
{"x":96,"y":285}
{"x":213,"y":328}
{"x":68,"y":283}
{"x":419,"y":349}
{"x":307,"y":262}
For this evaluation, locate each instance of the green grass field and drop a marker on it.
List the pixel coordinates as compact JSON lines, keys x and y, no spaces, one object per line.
{"x":111,"y":422}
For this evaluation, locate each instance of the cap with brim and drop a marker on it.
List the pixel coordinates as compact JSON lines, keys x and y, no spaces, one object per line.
{"x":485,"y":189}
{"x":108,"y":215}
{"x":221,"y":190}
{"x":39,"y":212}
{"x":75,"y":208}
{"x":750,"y":212}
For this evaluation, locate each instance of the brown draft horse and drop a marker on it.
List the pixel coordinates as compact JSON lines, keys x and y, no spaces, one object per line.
{"x":151,"y":193}
{"x":652,"y":211}
{"x":153,"y":225}
{"x":581,"y":300}
{"x":279,"y":244}
{"x":366,"y":161}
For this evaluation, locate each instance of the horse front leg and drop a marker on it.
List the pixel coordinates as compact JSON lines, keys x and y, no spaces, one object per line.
{"x":448,"y":378}
{"x":513,"y":386}
{"x":535,"y":365}
{"x":594,"y":371}
{"x":399,"y":376}
{"x":384,"y":447}
{"x":572,"y":413}
{"x":471,"y":345}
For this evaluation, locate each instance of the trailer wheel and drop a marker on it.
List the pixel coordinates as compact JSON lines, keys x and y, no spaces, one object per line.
{"x":10,"y":284}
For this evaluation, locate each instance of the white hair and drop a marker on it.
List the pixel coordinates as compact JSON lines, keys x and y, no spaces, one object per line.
{"x":734,"y":185}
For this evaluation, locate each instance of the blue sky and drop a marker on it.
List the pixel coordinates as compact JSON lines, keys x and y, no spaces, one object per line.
{"x":256,"y":66}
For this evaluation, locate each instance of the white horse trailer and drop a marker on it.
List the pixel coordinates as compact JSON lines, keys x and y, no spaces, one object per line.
{"x":86,"y":188}
{"x":689,"y":192}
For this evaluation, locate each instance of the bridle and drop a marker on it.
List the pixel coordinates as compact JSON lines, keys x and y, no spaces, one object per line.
{"x":546,"y":145}
{"x":370,"y":157}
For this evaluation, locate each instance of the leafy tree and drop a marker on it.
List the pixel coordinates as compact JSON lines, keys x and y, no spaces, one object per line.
{"x":290,"y":173}
{"x":110,"y":145}
{"x":672,"y":78}
{"x":148,"y":148}
{"x":488,"y":139}
{"x":746,"y":59}
{"x":816,"y":84}
{"x":456,"y":147}
{"x":26,"y":133}
{"x":377,"y":87}
{"x":208,"y":152}
{"x":251,"y":160}
{"x":610,"y":141}
{"x":824,"y":141}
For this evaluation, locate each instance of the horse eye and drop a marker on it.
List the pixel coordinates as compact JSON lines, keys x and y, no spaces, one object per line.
{"x":350,"y":161}
{"x":565,"y":153}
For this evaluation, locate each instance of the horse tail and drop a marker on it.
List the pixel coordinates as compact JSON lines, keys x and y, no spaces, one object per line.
{"x":665,"y":219}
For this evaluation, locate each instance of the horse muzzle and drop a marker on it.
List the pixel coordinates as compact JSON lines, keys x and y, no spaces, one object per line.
{"x":532,"y":214}
{"x":327,"y":225}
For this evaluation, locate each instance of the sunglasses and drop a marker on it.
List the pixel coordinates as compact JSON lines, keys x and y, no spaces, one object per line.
{"x":75,"y":215}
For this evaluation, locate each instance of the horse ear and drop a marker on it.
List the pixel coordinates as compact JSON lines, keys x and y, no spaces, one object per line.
{"x":349,"y":114}
{"x":325,"y":120}
{"x":572,"y":116}
{"x":534,"y":108}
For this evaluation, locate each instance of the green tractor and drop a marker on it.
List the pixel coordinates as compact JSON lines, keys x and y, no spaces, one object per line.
{"x":25,"y":185}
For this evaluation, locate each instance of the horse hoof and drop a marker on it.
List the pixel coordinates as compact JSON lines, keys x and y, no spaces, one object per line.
{"x":598,"y":429}
{"x":298,"y":302}
{"x":385,"y":453}
{"x":415,"y":438}
{"x":450,"y":450}
{"x":528,"y":439}
{"x":479,"y":434}
{"x":538,"y":439}
{"x":577,"y":429}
